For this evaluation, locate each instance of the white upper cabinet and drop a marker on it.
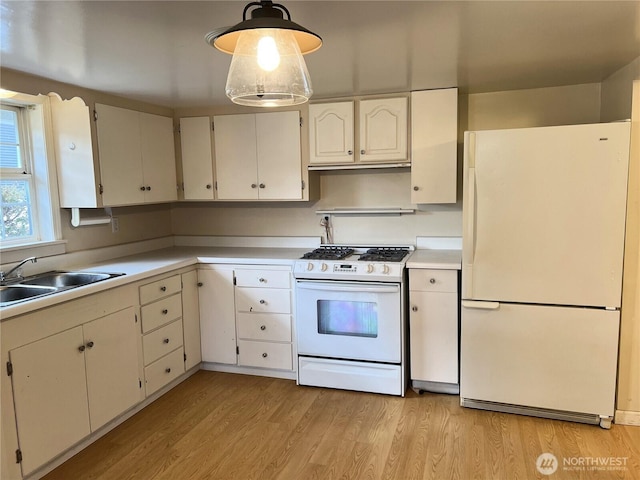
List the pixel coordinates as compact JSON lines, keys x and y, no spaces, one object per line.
{"x":197,"y":161}
{"x":434,"y":133}
{"x":331,"y":133}
{"x":137,"y":156}
{"x":381,"y":127}
{"x":383,"y":130}
{"x":258,"y":156}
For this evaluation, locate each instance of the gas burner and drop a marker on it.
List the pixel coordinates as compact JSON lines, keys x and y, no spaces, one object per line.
{"x":328,"y":253}
{"x":385,"y":254}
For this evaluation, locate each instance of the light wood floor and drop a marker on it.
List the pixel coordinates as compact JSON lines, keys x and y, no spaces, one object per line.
{"x":224,"y":426}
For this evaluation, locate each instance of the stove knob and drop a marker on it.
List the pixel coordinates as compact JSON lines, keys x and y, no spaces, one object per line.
{"x":370,"y":268}
{"x":309,"y":266}
{"x":385,"y":269}
{"x":324,"y":267}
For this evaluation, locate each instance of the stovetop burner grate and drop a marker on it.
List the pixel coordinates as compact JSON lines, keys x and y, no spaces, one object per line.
{"x":328,"y":253}
{"x":384,"y":254}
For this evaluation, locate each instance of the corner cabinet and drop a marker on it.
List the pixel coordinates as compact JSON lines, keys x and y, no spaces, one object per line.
{"x":137,"y":157}
{"x":381,"y":126}
{"x":434,"y":134}
{"x":257,"y":156}
{"x":197,"y":160}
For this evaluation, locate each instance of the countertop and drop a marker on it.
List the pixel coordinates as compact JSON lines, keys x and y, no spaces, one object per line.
{"x":435,"y":258}
{"x":157,"y":262}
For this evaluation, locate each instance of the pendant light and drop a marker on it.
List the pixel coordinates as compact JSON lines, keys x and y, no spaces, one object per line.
{"x":267,"y":68}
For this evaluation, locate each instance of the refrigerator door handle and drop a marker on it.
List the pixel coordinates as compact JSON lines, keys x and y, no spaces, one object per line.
{"x":480,"y":305}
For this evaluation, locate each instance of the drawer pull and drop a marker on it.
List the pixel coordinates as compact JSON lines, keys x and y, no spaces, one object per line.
{"x":166,"y":340}
{"x":263,"y":327}
{"x":265,"y":355}
{"x":262,"y":302}
{"x":163,"y":289}
{"x":414,"y":309}
{"x":432,"y":281}
{"x":262,"y":280}
{"x":165,"y":311}
{"x":167,"y":370}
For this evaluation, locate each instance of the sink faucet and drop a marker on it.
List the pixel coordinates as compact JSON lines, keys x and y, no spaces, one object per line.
{"x":4,"y":277}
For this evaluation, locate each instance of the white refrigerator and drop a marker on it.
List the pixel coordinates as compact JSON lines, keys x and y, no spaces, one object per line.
{"x":543,"y":242}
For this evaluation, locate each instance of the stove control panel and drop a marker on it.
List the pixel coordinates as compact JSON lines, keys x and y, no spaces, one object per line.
{"x":345,"y":267}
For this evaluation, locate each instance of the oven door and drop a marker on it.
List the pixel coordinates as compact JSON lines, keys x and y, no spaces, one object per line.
{"x":349,"y":320}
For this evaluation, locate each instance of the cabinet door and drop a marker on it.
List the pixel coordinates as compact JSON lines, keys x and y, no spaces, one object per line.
{"x":433,"y":324}
{"x":158,"y":158}
{"x":236,"y":157}
{"x":331,"y":133}
{"x":197,"y":161}
{"x":111,"y":356}
{"x":120,"y":155}
{"x":217,"y":315}
{"x":383,"y":129}
{"x":50,"y":396}
{"x":434,"y":133}
{"x":279,"y":161}
{"x":191,"y":319}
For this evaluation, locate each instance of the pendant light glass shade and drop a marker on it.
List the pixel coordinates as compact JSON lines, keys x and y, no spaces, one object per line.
{"x":267,"y":68}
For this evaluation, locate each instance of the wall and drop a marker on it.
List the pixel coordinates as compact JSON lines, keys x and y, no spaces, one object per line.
{"x":621,"y":99}
{"x":390,"y":188}
{"x":136,"y":223}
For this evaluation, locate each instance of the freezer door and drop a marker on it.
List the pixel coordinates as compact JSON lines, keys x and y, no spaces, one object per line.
{"x":558,"y":358}
{"x":544,"y":214}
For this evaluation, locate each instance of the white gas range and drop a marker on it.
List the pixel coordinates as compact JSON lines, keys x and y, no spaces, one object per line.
{"x":351,"y":318}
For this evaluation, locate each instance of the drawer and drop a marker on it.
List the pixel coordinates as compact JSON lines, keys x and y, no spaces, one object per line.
{"x":160,"y":289}
{"x":263,"y":278}
{"x":161,"y":312}
{"x":424,"y":280}
{"x":265,"y":355}
{"x":163,"y":370}
{"x":263,"y":300}
{"x":162,"y":341}
{"x":270,"y":327}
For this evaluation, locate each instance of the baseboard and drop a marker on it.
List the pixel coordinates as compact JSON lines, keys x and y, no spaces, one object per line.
{"x":260,"y":372}
{"x":627,"y":417}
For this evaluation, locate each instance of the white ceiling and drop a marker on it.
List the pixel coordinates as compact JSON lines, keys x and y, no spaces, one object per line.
{"x":155,"y":51}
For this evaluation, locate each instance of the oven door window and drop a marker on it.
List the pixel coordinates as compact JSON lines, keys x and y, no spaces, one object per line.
{"x":354,"y":319}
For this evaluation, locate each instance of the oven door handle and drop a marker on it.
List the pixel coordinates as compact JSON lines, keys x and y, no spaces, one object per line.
{"x":350,"y":288}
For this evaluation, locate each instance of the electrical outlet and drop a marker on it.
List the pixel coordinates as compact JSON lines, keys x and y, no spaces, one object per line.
{"x":115,"y":224}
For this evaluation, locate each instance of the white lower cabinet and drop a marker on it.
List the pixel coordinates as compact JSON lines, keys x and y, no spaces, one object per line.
{"x":70,"y":384}
{"x":433,"y":330}
{"x":245,"y":314}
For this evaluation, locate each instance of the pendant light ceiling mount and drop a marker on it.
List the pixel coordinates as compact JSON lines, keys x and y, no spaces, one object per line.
{"x":267,"y":68}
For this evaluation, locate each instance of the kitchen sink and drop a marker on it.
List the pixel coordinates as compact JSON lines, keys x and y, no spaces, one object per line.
{"x":65,"y":279}
{"x":17,"y":293}
{"x":48,"y":283}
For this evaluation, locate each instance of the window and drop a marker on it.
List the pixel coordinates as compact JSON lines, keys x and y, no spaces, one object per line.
{"x":29,"y":213}
{"x":16,"y":180}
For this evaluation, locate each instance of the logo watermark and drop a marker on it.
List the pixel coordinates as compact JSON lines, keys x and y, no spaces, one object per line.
{"x":548,"y":464}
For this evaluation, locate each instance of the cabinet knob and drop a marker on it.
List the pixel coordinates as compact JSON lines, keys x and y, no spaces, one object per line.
{"x":167,"y":370}
{"x":265,"y":355}
{"x":416,"y":188}
{"x":148,"y":188}
{"x":166,"y":340}
{"x":350,"y":152}
{"x":361,"y":152}
{"x":142,"y":189}
{"x":81,"y":348}
{"x":165,"y":311}
{"x":200,"y":284}
{"x":432,"y":281}
{"x":262,"y":185}
{"x":163,"y":289}
{"x":261,"y":280}
{"x":253,"y":185}
{"x":263,"y":327}
{"x":262,"y":302}
{"x":208,"y":186}
{"x":414,"y":309}
{"x":90,"y":345}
